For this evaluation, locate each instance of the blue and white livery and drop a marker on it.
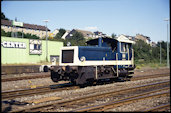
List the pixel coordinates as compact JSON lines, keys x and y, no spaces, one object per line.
{"x":103,"y":58}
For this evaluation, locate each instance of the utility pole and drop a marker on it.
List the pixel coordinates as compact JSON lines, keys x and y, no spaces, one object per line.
{"x":160,"y":53}
{"x":46,"y":41}
{"x":168,"y":65}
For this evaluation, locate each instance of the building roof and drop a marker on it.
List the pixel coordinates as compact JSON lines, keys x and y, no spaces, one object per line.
{"x":140,"y":36}
{"x":25,"y":25}
{"x":123,"y":38}
{"x":98,"y":32}
{"x":84,"y":32}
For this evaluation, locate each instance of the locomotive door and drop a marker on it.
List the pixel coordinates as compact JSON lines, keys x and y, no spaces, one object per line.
{"x":124,"y":50}
{"x":129,"y":51}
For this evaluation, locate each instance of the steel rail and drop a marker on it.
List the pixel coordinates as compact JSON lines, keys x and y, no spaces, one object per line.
{"x":105,"y":106}
{"x":48,"y":75}
{"x":24,"y":78}
{"x":149,"y":76}
{"x":158,"y":108}
{"x":89,"y":97}
{"x":38,"y":90}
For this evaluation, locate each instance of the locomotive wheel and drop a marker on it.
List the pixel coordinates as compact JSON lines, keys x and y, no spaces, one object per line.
{"x":82,"y":85}
{"x":121,"y":79}
{"x":85,"y":74}
{"x":73,"y":81}
{"x":112,"y":80}
{"x":90,"y":82}
{"x":45,"y":69}
{"x":128,"y":78}
{"x":55,"y":76}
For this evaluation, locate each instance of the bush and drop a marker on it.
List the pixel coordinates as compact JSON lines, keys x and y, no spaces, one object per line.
{"x":144,"y":53}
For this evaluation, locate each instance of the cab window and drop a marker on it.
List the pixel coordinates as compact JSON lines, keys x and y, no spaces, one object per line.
{"x":124,"y":47}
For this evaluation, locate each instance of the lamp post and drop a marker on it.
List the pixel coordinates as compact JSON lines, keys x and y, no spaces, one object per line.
{"x":160,"y":52}
{"x":46,"y":41}
{"x":167,"y":44}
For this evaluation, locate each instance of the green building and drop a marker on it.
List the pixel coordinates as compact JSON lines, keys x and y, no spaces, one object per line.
{"x":28,"y":51}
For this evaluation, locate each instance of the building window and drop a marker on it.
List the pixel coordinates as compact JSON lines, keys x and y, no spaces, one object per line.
{"x":35,"y":46}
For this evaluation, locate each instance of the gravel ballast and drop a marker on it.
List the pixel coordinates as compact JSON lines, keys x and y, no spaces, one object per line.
{"x":21,"y":84}
{"x":70,"y":94}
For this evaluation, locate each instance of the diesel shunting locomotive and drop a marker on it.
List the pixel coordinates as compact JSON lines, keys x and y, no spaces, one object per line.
{"x":102,"y":58}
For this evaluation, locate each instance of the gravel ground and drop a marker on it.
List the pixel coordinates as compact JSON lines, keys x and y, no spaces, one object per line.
{"x":142,"y":104}
{"x":147,"y":71}
{"x":136,"y":106}
{"x":68,"y":94}
{"x":21,"y":84}
{"x":13,"y":85}
{"x":23,"y":75}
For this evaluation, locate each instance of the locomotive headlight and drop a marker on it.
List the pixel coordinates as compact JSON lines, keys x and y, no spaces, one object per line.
{"x":82,"y":59}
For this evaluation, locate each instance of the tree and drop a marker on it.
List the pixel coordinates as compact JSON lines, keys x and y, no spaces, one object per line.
{"x":60,"y":33}
{"x":76,"y":40}
{"x":142,"y":51}
{"x":3,"y":33}
{"x":148,"y":53}
{"x":164,"y":48}
{"x":3,"y":16}
{"x":163,"y":45}
{"x":35,"y":37}
{"x":7,"y":34}
{"x":113,"y":35}
{"x":77,"y":36}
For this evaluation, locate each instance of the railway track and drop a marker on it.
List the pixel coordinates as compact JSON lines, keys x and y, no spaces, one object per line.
{"x":38,"y":90}
{"x":88,"y":99}
{"x":149,"y":76}
{"x":113,"y":104}
{"x":59,"y":87}
{"x":24,"y":77}
{"x":162,"y":107}
{"x":48,"y":75}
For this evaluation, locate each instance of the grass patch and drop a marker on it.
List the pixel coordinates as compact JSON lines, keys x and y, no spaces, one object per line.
{"x":138,"y":67}
{"x":155,"y":65}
